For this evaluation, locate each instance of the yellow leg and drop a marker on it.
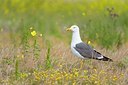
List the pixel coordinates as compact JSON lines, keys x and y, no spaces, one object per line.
{"x":81,"y":63}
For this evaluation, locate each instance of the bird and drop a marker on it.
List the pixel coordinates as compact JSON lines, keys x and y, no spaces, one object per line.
{"x":81,"y":49}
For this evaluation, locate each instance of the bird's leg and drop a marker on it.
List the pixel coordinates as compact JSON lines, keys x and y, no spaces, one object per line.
{"x":81,"y":63}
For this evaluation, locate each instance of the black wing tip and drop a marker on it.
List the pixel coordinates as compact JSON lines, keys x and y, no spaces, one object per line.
{"x":106,"y":59}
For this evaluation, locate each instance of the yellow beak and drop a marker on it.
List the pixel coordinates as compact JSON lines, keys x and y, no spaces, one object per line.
{"x":68,"y":29}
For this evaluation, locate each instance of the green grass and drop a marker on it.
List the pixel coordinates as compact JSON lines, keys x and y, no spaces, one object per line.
{"x":48,"y":60}
{"x":56,"y":65}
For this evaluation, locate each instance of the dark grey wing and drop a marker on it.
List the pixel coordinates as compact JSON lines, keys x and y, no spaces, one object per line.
{"x":88,"y":52}
{"x":85,"y":50}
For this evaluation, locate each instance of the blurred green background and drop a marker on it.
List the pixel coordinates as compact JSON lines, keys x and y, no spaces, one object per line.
{"x":104,"y":22}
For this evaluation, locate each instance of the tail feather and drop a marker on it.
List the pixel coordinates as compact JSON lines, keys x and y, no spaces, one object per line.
{"x":103,"y":58}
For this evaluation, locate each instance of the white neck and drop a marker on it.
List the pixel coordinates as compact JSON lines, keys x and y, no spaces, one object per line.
{"x":75,"y":38}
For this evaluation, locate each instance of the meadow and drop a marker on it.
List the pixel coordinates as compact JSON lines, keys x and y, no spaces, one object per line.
{"x":35,"y":48}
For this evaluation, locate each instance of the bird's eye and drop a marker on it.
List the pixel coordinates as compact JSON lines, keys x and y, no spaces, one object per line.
{"x":74,"y":27}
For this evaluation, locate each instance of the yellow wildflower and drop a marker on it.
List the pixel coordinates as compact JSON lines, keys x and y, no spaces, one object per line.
{"x":102,"y":72}
{"x":95,"y":70}
{"x":37,"y":77}
{"x":89,"y":42}
{"x":33,"y":33}
{"x":122,"y":74}
{"x":24,"y":75}
{"x":22,"y":56}
{"x":85,"y":71}
{"x":76,"y":74}
{"x":58,"y":78}
{"x":60,"y":66}
{"x":52,"y":75}
{"x":96,"y":82}
{"x":74,"y":83}
{"x":115,"y":78}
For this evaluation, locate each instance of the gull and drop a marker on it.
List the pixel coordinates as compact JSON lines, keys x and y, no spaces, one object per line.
{"x":83,"y":50}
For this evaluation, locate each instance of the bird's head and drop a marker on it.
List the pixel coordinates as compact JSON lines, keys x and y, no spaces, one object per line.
{"x":73,"y":28}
